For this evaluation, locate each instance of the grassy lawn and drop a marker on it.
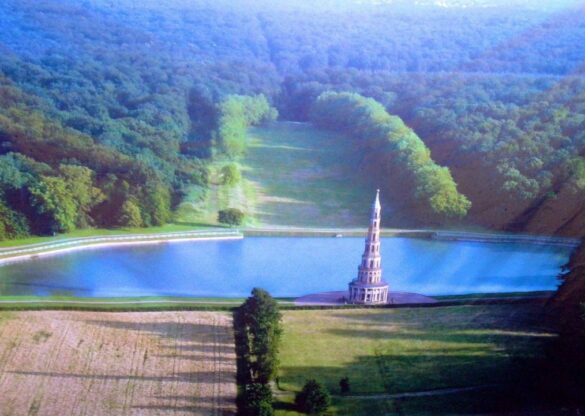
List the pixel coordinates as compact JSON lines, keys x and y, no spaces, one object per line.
{"x":540,"y":293}
{"x":305,"y":177}
{"x":407,"y":350}
{"x":97,"y":232}
{"x":466,"y":403}
{"x":293,"y":175}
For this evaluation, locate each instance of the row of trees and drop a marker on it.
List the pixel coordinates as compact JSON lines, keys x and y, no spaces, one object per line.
{"x":235,"y":114}
{"x":258,"y":334}
{"x":514,"y":145}
{"x":393,"y":153}
{"x":258,"y":323}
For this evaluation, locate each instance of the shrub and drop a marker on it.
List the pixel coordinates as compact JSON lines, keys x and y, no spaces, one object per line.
{"x":313,"y":398}
{"x":230,"y":216}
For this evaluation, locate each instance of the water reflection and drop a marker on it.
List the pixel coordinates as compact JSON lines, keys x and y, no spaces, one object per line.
{"x":286,"y":267}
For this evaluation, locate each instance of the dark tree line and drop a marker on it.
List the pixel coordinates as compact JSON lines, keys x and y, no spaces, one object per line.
{"x":394,"y":156}
{"x":514,"y":145}
{"x":258,"y":332}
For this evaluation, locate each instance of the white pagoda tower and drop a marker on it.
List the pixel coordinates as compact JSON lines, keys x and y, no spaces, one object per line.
{"x":369,"y":288}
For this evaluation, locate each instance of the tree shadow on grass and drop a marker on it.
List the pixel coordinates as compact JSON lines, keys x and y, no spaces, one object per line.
{"x":191,"y":404}
{"x":196,"y":357}
{"x":528,"y":317}
{"x":391,"y":374}
{"x":505,"y":327}
{"x":280,"y":405}
{"x":182,"y":331}
{"x":411,"y":351}
{"x":205,"y":346}
{"x":497,"y":339}
{"x":189,"y":377}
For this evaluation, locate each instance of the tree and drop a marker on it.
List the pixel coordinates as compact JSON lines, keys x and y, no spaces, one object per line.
{"x":79,"y":182}
{"x":313,"y":398}
{"x":230,"y":174}
{"x":52,"y":198}
{"x":261,"y":319}
{"x":130,"y":215}
{"x":230,"y":216}
{"x":12,"y":224}
{"x":236,"y":114}
{"x":156,"y":203}
{"x":257,"y":400}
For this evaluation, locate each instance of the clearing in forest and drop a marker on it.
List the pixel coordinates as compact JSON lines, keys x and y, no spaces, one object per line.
{"x":293,"y":174}
{"x":304,"y":176}
{"x":87,"y":363}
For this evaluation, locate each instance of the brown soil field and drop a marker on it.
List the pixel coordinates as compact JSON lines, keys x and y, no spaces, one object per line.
{"x":143,"y":363}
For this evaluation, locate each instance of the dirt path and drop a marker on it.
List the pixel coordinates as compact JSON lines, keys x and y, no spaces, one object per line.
{"x":436,"y":392}
{"x":148,"y":363}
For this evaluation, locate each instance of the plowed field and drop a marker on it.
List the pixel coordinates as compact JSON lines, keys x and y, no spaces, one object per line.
{"x":87,"y":363}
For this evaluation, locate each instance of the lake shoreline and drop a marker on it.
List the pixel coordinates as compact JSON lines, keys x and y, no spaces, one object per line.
{"x":440,"y":235}
{"x":153,"y":303}
{"x":62,"y":246}
{"x":33,"y":251}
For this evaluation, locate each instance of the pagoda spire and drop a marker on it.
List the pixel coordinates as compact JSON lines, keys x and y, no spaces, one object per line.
{"x":368,"y":287}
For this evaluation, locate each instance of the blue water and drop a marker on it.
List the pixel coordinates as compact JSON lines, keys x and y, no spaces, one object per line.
{"x":285,"y":267}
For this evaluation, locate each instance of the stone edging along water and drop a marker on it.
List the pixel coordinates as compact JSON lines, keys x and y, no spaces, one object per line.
{"x":439,"y":235}
{"x":9,"y":255}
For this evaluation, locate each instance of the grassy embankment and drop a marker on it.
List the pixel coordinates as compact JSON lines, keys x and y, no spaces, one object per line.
{"x":293,"y":175}
{"x":407,"y":350}
{"x":101,"y":232}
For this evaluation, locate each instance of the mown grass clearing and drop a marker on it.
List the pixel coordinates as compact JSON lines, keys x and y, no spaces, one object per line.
{"x":292,"y":175}
{"x":304,"y":176}
{"x":408,"y":350}
{"x":74,"y":363}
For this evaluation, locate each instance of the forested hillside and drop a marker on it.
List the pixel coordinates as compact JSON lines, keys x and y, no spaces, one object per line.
{"x":130,"y":101}
{"x":392,"y":150}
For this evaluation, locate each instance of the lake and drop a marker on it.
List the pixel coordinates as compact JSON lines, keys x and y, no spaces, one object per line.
{"x":285,"y":266}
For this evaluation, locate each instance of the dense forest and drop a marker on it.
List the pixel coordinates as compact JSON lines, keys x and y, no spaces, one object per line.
{"x":111,"y":111}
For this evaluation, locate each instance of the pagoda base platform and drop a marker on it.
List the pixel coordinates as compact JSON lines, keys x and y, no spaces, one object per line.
{"x":340,"y":298}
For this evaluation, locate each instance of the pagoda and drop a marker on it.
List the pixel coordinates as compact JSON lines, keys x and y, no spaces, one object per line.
{"x":369,"y":288}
